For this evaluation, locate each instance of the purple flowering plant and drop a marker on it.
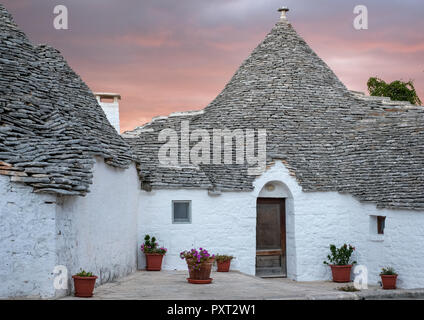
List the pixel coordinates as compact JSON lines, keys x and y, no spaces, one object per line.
{"x":196,"y":257}
{"x":151,"y":246}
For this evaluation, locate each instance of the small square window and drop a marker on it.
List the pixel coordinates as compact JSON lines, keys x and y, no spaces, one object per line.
{"x":381,"y":223}
{"x":181,"y":211}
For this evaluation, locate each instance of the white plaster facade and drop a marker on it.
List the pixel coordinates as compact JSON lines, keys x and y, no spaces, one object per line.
{"x":226,"y":224}
{"x":96,"y":232}
{"x":27,"y":241}
{"x":103,"y":231}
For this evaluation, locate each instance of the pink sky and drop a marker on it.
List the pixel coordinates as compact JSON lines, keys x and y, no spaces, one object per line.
{"x":165,"y":55}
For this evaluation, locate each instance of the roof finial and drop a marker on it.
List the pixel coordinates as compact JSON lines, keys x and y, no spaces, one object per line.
{"x":283,"y":11}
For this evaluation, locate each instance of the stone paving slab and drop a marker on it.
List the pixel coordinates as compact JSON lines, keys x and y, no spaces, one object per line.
{"x":172,"y":285}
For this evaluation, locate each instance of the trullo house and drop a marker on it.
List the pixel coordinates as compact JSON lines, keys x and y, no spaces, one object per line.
{"x":69,"y":190}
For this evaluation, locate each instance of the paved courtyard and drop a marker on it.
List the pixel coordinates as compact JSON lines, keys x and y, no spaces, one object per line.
{"x":172,"y":285}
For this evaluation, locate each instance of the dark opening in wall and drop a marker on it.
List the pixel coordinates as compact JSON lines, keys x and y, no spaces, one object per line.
{"x":381,"y":223}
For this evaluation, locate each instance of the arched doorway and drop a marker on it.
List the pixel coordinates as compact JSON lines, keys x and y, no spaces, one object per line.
{"x":271,"y":237}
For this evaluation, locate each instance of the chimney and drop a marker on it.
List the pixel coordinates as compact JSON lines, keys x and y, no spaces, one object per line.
{"x":283,"y":11}
{"x":110,"y":105}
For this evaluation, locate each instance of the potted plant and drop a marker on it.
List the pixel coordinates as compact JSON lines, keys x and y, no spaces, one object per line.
{"x":154,"y":254}
{"x":84,"y":284}
{"x":199,"y":263}
{"x":223,"y":262}
{"x":340,"y":262}
{"x":388,"y":278}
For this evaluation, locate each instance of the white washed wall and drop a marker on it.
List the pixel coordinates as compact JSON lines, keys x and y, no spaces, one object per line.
{"x":401,"y":246}
{"x":226,"y":224}
{"x":98,"y":232}
{"x":223,"y":224}
{"x":27,"y":245}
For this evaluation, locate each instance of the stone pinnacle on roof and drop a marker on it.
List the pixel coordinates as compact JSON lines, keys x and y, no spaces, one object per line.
{"x":283,"y":11}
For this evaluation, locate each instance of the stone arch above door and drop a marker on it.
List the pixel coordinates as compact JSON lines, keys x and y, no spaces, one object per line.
{"x":275,"y":189}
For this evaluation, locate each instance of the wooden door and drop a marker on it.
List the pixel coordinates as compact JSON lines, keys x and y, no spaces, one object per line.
{"x":271,"y":237}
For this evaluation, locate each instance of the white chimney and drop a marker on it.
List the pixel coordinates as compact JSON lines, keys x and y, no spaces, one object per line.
{"x":110,"y":105}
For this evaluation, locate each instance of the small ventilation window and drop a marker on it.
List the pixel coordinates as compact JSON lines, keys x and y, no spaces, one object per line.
{"x":181,"y":211}
{"x":381,"y":223}
{"x":377,"y":226}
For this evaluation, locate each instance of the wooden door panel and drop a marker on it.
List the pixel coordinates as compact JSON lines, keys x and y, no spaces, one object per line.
{"x":268,"y":261}
{"x":268,"y":234}
{"x":269,"y":252}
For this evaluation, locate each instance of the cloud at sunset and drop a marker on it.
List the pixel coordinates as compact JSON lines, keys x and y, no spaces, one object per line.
{"x":164,"y":56}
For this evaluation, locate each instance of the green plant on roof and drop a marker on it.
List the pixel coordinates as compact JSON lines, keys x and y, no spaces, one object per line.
{"x":396,"y":90}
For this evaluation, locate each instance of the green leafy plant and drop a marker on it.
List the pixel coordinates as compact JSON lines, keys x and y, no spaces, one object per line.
{"x":151,"y":246}
{"x":396,"y":90}
{"x":388,"y":271}
{"x":223,"y":258}
{"x":340,"y":256}
{"x":84,"y":273}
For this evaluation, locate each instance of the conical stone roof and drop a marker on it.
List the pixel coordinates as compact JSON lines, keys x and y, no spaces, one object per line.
{"x":329,"y":138}
{"x":51,"y":126}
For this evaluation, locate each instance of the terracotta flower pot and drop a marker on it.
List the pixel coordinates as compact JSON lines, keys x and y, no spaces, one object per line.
{"x":84,"y":286}
{"x":201,"y":273}
{"x":223,"y":266}
{"x":341,"y":273}
{"x":389,"y":281}
{"x":154,"y":261}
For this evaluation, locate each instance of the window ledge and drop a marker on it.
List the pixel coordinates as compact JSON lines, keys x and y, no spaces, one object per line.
{"x":376,"y":238}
